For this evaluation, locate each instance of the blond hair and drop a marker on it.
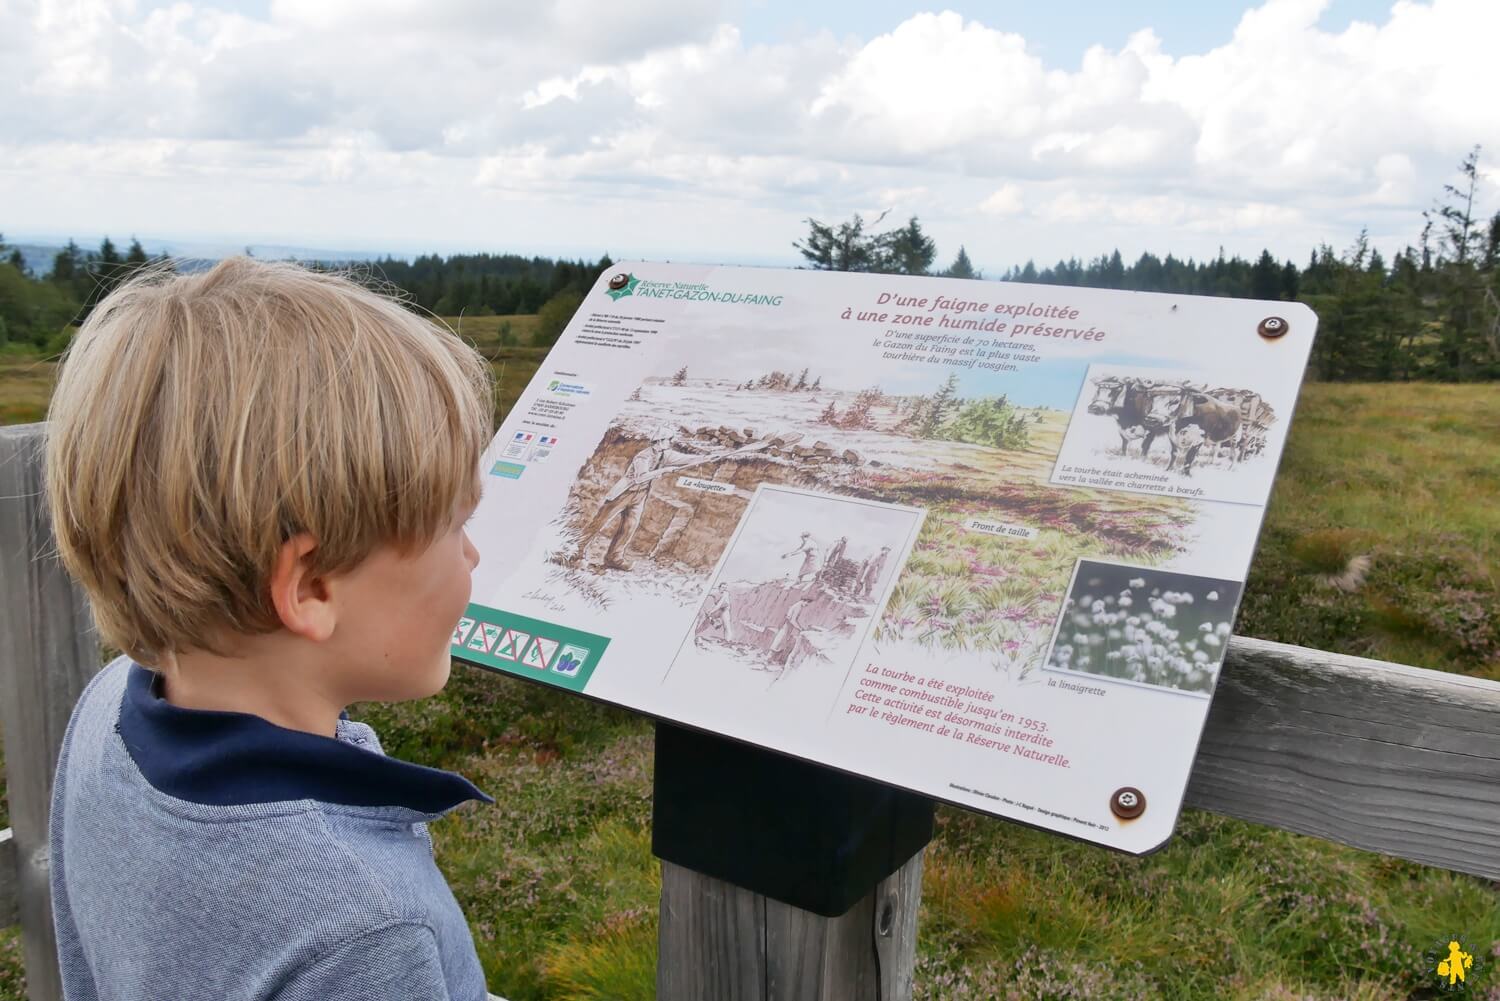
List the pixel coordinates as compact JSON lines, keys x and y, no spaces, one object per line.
{"x":202,"y":420}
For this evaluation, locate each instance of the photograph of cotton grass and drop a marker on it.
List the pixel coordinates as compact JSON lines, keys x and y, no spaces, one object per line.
{"x":1145,"y":626}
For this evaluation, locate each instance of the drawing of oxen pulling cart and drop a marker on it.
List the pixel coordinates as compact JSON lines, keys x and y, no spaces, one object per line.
{"x":1231,"y":423}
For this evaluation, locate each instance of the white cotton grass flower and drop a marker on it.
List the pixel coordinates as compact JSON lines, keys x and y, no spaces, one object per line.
{"x":1127,"y":633}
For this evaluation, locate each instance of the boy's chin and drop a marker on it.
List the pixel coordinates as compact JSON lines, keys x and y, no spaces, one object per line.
{"x":424,"y":681}
{"x":435,"y":678}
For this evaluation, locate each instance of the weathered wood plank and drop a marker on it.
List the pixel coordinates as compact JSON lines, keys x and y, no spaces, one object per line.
{"x":720,"y":941}
{"x":897,"y":900}
{"x":9,"y":893}
{"x":48,"y":652}
{"x":812,"y":958}
{"x":711,"y":939}
{"x":1393,"y":759}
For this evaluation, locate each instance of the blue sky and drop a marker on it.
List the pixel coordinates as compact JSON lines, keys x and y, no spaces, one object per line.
{"x":1060,"y":31}
{"x":710,"y":130}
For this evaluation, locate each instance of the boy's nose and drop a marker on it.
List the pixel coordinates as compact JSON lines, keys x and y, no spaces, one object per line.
{"x":471,"y":552}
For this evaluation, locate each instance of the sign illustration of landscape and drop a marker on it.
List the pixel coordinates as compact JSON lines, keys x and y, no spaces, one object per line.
{"x":980,"y":540}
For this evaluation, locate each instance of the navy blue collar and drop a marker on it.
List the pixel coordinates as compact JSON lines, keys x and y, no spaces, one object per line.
{"x":232,"y":759}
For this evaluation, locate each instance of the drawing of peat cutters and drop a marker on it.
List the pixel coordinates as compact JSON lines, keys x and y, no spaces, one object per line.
{"x":1195,"y":435}
{"x":799,"y":587}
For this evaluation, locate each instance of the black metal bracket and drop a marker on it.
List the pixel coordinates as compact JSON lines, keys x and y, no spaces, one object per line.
{"x":796,"y":832}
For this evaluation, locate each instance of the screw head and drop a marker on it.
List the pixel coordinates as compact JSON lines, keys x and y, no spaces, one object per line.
{"x":619,"y":281}
{"x":1272,"y":327}
{"x":1127,"y":803}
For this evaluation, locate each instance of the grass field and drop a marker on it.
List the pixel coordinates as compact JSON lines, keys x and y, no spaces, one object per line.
{"x":1391,"y":491}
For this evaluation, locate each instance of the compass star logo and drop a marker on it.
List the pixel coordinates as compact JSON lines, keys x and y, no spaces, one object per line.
{"x":622,"y":285}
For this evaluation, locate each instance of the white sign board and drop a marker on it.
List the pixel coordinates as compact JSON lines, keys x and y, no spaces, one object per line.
{"x":981,"y":540}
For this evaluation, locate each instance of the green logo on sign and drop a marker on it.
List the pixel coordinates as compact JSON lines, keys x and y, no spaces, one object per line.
{"x":509,"y":470}
{"x":622,"y":285}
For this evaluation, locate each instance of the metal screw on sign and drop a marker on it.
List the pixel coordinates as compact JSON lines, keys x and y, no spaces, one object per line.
{"x":1127,"y":803}
{"x":1272,"y":327}
{"x":619,"y":281}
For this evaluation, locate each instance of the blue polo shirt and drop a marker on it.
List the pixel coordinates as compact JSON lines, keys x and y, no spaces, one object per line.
{"x":199,"y":854}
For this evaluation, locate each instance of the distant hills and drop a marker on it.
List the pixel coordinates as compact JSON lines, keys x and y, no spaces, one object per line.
{"x":39,"y":253}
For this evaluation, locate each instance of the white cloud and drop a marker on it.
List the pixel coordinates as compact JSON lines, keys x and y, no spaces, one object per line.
{"x":1004,"y":201}
{"x":1283,"y":132}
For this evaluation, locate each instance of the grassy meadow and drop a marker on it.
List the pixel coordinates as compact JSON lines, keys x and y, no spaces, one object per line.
{"x":1381,"y":540}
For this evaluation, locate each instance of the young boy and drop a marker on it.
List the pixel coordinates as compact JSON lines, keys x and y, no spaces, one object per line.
{"x":260,"y":475}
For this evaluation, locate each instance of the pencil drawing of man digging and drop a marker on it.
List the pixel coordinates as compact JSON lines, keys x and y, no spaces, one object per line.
{"x":807,"y":548}
{"x":625,"y":503}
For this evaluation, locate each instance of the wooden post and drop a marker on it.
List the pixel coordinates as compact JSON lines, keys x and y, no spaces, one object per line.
{"x":782,"y":880}
{"x":717,"y":940}
{"x":9,"y":895}
{"x":48,"y":653}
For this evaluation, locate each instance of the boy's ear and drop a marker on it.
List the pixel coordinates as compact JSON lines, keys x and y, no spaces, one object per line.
{"x":302,"y":599}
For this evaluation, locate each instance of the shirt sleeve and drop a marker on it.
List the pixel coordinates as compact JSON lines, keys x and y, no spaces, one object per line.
{"x":73,"y":966}
{"x":394,"y":961}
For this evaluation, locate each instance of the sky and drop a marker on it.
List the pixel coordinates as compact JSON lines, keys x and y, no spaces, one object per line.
{"x":711,"y":130}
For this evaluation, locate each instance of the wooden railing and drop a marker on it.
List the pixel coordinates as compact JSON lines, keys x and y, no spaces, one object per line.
{"x":1384,"y":757}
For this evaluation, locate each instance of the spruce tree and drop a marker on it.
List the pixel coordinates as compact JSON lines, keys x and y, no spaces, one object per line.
{"x":961,"y":266}
{"x":938,"y":407}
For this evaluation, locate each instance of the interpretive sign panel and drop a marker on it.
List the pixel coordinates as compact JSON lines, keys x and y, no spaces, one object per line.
{"x":981,"y":540}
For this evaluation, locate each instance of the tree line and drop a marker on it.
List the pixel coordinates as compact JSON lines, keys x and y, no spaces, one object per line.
{"x":37,"y":310}
{"x":1430,"y":313}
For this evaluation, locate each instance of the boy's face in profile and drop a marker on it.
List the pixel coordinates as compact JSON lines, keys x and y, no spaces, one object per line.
{"x":396,"y":618}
